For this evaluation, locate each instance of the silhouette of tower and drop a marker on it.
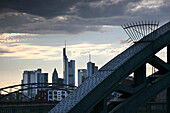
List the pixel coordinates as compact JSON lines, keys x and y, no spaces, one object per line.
{"x":68,"y":69}
{"x":55,"y":76}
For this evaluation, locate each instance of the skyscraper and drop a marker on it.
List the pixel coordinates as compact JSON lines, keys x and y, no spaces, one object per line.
{"x":33,"y":77}
{"x":71,"y":75}
{"x":65,"y":66}
{"x":68,"y":69}
{"x":42,"y":78}
{"x":55,"y":76}
{"x":82,"y":76}
{"x":58,"y":81}
{"x":91,"y":68}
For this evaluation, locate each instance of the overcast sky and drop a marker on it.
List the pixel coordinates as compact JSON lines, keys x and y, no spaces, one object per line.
{"x":33,"y":32}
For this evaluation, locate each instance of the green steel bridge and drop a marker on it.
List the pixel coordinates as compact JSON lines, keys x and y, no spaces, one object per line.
{"x":91,"y":96}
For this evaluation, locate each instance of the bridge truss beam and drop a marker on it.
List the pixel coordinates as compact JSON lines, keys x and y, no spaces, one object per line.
{"x":144,"y":95}
{"x":92,"y":93}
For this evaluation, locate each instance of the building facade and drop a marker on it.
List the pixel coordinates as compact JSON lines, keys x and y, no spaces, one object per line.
{"x":71,"y":74}
{"x":91,"y":68}
{"x":42,"y":78}
{"x":35,"y":76}
{"x":65,"y":66}
{"x":82,"y":76}
{"x":56,"y":95}
{"x":68,"y":69}
{"x":58,"y":81}
{"x":42,"y":96}
{"x":55,"y":77}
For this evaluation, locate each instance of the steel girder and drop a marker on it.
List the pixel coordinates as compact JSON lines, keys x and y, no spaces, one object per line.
{"x":144,"y":95}
{"x":144,"y":91}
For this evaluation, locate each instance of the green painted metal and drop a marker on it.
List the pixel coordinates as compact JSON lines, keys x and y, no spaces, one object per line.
{"x":129,"y":89}
{"x":101,"y":107}
{"x":159,"y":64}
{"x":163,"y":68}
{"x":125,"y":89}
{"x":144,"y":95}
{"x":140,"y":75}
{"x":125,"y":107}
{"x":112,"y":81}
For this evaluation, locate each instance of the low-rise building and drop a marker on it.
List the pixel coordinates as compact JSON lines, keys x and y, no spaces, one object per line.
{"x":56,"y":95}
{"x":42,"y":96}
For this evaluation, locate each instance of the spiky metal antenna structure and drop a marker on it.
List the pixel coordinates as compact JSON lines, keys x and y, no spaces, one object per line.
{"x":138,"y":30}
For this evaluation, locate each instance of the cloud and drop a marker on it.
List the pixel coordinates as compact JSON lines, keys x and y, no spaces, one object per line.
{"x":11,"y":38}
{"x":41,"y":8}
{"x":2,"y":51}
{"x":27,"y":51}
{"x":67,"y":16}
{"x":145,"y":4}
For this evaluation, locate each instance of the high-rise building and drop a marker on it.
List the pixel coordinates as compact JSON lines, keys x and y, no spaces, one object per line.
{"x":68,"y":69}
{"x":55,"y":76}
{"x":33,"y":77}
{"x":65,"y":66}
{"x":82,"y":76}
{"x":42,"y":78}
{"x":58,"y":81}
{"x":91,"y":68}
{"x":71,"y":74}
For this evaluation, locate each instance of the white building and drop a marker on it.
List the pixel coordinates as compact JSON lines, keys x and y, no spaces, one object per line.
{"x":56,"y":95}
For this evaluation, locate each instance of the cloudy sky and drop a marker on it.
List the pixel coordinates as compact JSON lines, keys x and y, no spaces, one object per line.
{"x":33,"y":32}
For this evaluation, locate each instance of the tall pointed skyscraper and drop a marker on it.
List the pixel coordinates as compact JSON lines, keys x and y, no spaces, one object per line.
{"x":65,"y":66}
{"x":55,"y":76}
{"x":58,"y":81}
{"x":68,"y":69}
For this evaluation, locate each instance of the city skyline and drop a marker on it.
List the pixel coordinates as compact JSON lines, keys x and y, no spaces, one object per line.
{"x":32,"y":36}
{"x":85,"y":46}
